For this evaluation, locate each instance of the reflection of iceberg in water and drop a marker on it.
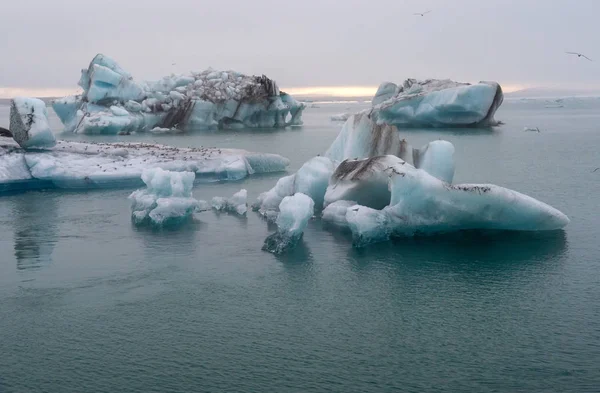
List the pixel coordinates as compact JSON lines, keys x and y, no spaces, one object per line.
{"x":34,"y":229}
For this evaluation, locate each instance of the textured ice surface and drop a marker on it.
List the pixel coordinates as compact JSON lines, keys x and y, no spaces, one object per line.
{"x":335,"y":213}
{"x":311,"y":179}
{"x":294,"y":213}
{"x":436,"y":102}
{"x":99,"y":165}
{"x":423,"y":204}
{"x":361,"y":137}
{"x":437,"y":159}
{"x":29,"y":123}
{"x":114,"y":103}
{"x":166,"y":200}
{"x":236,"y":204}
{"x":363,"y":181}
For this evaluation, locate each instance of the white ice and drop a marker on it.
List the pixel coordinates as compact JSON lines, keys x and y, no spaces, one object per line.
{"x":104,"y":165}
{"x":236,"y":204}
{"x":340,"y":117}
{"x":311,"y":179}
{"x":437,"y":159}
{"x":114,"y":103}
{"x":294,"y":213}
{"x":335,"y":213}
{"x":436,"y":103}
{"x":167,"y":198}
{"x":29,"y":123}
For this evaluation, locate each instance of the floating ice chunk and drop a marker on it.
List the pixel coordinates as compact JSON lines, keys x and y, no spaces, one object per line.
{"x":159,"y":130}
{"x":294,"y":213}
{"x":364,"y":181}
{"x":437,"y":158}
{"x":361,"y":137}
{"x":269,"y":201}
{"x":166,"y":200}
{"x":206,"y":100}
{"x":421,"y":203}
{"x":335,"y":213}
{"x":311,"y":179}
{"x":29,"y":123}
{"x":437,"y":103}
{"x":236,"y":204}
{"x":368,"y":225}
{"x":340,"y":117}
{"x":106,"y":165}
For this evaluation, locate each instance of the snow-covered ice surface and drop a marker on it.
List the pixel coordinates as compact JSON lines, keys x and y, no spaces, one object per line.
{"x":294,"y":213}
{"x":29,"y":123}
{"x":436,"y":103}
{"x":114,"y":103}
{"x":110,"y":165}
{"x":166,"y":200}
{"x":236,"y":204}
{"x":335,"y":213}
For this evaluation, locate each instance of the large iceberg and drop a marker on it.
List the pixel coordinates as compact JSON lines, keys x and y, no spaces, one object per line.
{"x":436,"y":103}
{"x":29,"y":123}
{"x":166,"y":200}
{"x":108,"y":165}
{"x":294,"y":213}
{"x":380,"y":187}
{"x":114,"y":103}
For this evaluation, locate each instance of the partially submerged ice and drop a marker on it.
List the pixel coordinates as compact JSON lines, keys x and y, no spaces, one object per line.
{"x":114,"y":103}
{"x":166,"y":200}
{"x":29,"y":123}
{"x":380,"y":187}
{"x":311,"y":179}
{"x":437,"y":103}
{"x":236,"y":204}
{"x":294,"y":213}
{"x":78,"y":165}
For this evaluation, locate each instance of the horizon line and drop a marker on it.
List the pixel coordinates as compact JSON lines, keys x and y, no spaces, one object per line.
{"x":348,"y":91}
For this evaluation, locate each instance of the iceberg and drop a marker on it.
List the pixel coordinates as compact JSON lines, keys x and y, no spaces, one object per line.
{"x":167,"y":199}
{"x":340,"y":117}
{"x":29,"y":123}
{"x":112,"y":102}
{"x":294,"y":213}
{"x":437,"y":103}
{"x":312,"y":179}
{"x":423,"y":204}
{"x":236,"y":204}
{"x":78,"y":165}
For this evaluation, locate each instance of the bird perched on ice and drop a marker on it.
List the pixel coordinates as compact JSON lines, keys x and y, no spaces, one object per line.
{"x":422,"y":13}
{"x":536,"y":129}
{"x":578,"y":55}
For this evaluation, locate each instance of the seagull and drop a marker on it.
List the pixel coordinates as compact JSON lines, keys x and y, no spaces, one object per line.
{"x":578,"y":55}
{"x":595,"y":170}
{"x":422,"y":13}
{"x":536,"y":129}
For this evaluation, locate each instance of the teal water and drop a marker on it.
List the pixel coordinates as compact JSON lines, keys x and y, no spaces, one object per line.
{"x":90,"y":303}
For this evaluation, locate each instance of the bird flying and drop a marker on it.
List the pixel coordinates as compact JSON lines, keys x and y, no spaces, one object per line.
{"x":422,"y":13}
{"x":578,"y":55}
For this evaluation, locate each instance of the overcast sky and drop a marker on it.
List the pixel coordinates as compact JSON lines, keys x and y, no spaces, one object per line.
{"x":44,"y":44}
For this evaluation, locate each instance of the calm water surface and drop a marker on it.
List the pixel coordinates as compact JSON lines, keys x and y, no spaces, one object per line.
{"x":90,"y":303}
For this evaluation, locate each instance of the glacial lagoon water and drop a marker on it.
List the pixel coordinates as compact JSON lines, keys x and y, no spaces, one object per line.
{"x":91,"y":303}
